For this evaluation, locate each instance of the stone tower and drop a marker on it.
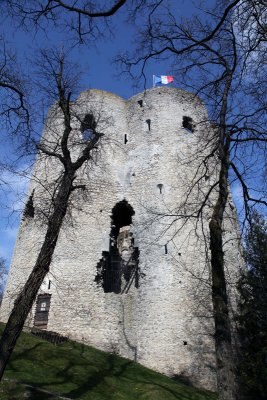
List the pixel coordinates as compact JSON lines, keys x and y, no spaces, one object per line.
{"x":130,"y":273}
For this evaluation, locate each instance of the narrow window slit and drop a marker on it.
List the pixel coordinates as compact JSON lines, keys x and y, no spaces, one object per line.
{"x":160,"y":186}
{"x":125,"y":139}
{"x":166,"y":249}
{"x":148,"y":121}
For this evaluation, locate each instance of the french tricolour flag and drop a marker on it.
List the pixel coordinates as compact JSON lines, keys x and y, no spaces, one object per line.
{"x":163,"y":79}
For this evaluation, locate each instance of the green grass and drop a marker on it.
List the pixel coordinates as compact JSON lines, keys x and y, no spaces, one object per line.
{"x":77,"y":371}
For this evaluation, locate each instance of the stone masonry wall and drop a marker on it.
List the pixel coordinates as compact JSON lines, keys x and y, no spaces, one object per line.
{"x":150,"y":160}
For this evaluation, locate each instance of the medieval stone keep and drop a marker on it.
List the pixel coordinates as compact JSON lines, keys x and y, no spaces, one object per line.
{"x":130,"y":273}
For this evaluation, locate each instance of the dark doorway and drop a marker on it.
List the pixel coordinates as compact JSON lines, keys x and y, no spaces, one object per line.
{"x":42,"y":310}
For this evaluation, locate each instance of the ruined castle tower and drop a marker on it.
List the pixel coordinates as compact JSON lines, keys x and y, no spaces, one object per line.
{"x":130,"y":273}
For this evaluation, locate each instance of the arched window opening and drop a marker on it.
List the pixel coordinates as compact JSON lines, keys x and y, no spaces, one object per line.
{"x":88,"y":127}
{"x":118,"y":268}
{"x":188,"y":124}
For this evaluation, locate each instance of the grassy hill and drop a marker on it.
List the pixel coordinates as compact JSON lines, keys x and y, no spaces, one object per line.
{"x":75,"y":371}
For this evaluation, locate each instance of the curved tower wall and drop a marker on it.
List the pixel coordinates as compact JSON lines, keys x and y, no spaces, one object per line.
{"x":149,"y":160}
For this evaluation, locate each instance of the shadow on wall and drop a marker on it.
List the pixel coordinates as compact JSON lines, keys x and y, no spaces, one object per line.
{"x":133,"y":349}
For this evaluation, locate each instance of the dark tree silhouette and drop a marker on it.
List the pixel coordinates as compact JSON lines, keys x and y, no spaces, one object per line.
{"x":253,"y":312}
{"x":56,"y":70}
{"x":88,"y":20}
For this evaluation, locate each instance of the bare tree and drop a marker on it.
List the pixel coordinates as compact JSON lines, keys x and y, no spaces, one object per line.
{"x":14,"y":107}
{"x":62,"y":188}
{"x":15,"y":114}
{"x":12,"y":88}
{"x":220,"y":58}
{"x":87,"y":19}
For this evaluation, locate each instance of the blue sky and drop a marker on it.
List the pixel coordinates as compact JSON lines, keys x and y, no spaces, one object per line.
{"x":99,"y":72}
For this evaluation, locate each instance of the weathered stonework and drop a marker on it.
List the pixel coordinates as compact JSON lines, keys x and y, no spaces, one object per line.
{"x":160,"y":314}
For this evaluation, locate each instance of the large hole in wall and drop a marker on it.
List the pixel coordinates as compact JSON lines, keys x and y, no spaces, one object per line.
{"x":118,"y":269}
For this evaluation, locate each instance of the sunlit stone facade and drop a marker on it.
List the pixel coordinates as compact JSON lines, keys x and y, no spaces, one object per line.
{"x":130,"y":273}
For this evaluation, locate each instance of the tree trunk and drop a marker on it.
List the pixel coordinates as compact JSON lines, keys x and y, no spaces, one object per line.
{"x":26,"y":298}
{"x":223,"y":346}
